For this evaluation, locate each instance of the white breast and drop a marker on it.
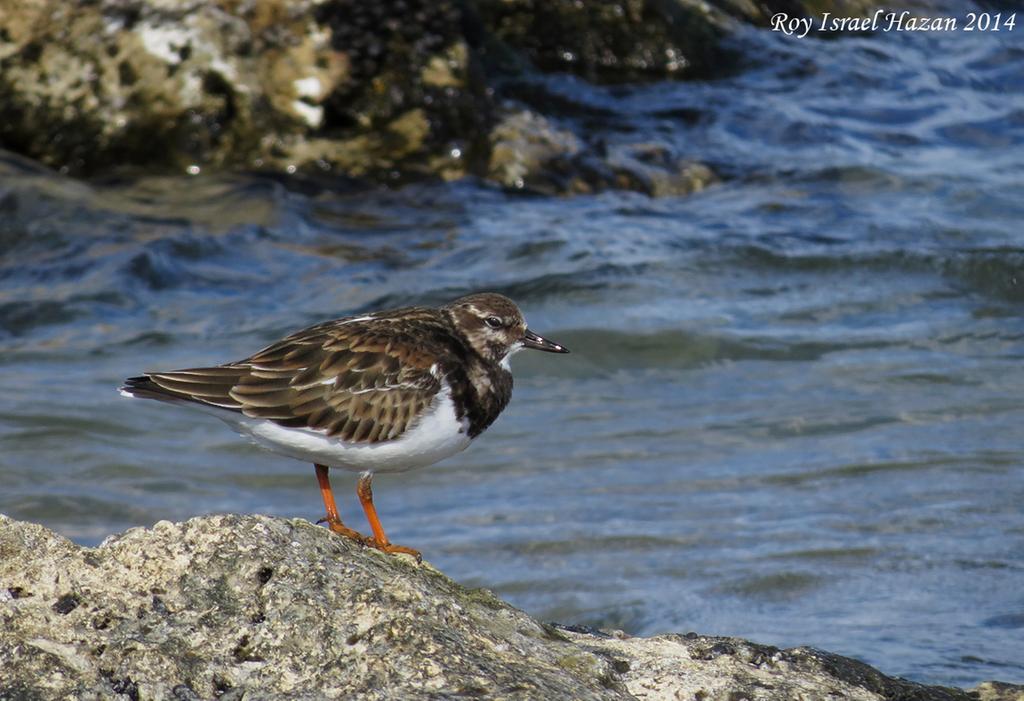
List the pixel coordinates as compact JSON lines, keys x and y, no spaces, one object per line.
{"x":435,"y":436}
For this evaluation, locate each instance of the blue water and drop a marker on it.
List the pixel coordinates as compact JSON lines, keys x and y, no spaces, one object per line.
{"x":793,"y":409}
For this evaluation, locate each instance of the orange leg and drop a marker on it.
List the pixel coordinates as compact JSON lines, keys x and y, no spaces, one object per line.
{"x":333,"y":519}
{"x":380,"y":540}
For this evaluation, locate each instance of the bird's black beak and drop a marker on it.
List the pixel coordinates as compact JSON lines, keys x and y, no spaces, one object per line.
{"x":532,"y":340}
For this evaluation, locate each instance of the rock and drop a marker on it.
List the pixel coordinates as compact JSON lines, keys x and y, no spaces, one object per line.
{"x":527,"y":152}
{"x":280,"y":84}
{"x":530,"y":153}
{"x":998,"y":691}
{"x":653,"y":169}
{"x":384,"y":90}
{"x":249,"y":606}
{"x":606,"y":42}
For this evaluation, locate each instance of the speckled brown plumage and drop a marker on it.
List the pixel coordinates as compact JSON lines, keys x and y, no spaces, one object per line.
{"x":362,"y":379}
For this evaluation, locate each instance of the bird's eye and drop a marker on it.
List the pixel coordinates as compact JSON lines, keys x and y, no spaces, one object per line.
{"x":493,"y":321}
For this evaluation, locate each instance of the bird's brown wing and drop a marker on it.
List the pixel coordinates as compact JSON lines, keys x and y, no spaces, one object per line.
{"x":362,"y":380}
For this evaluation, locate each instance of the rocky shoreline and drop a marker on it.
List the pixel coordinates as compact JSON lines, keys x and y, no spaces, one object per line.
{"x":252,"y":607}
{"x":385,"y":92}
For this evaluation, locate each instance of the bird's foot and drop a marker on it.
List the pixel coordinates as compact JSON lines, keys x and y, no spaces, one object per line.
{"x":341,"y":529}
{"x":394,"y":549}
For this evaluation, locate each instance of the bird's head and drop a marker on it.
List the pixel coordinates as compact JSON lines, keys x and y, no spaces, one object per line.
{"x":494,"y":327}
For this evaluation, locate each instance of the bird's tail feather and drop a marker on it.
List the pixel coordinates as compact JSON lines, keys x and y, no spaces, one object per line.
{"x":143,"y":387}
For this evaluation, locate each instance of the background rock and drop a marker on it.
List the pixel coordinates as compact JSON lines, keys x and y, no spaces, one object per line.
{"x":256,"y":607}
{"x":606,"y":42}
{"x":387,"y":90}
{"x":361,"y":86}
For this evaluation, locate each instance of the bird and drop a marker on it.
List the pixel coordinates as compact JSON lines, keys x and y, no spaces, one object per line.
{"x":382,"y":392}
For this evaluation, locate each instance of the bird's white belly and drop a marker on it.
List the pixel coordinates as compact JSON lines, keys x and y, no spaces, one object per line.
{"x":437,"y":435}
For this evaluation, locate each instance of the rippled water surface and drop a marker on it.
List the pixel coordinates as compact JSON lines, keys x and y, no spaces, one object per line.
{"x":795,"y":404}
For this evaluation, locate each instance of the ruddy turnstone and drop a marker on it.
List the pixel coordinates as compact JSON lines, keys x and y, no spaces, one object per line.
{"x":383,"y":392}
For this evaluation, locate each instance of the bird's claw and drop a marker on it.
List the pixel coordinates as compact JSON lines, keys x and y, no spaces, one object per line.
{"x":368,"y":542}
{"x":394,"y":549}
